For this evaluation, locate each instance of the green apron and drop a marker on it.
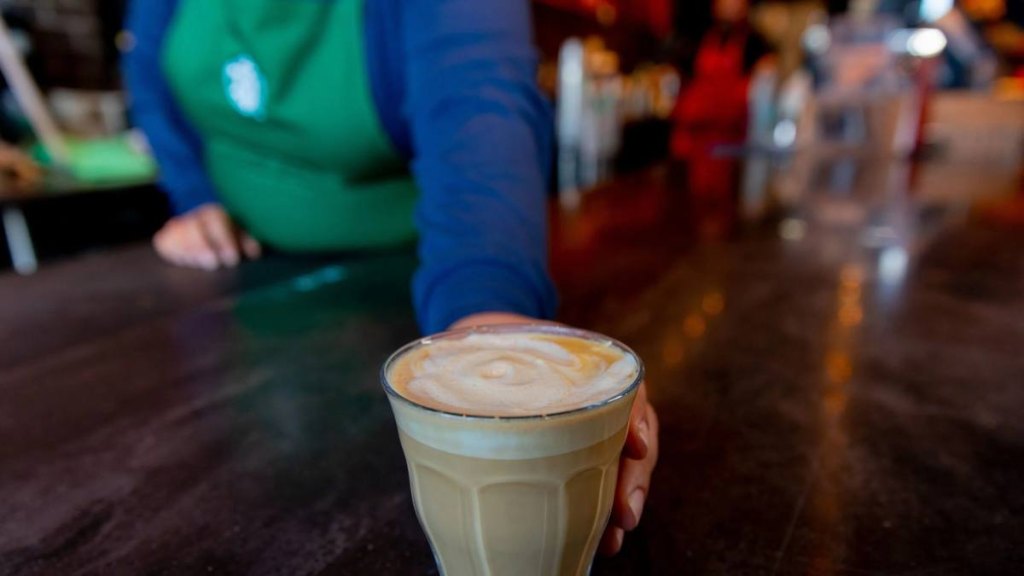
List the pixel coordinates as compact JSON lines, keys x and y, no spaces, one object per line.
{"x":279,"y":93}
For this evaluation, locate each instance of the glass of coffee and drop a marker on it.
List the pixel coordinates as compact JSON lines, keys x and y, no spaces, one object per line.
{"x":512,"y":436}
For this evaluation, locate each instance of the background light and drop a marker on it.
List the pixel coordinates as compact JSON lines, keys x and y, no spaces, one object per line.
{"x":926,"y":42}
{"x":784,"y":134}
{"x":932,"y":10}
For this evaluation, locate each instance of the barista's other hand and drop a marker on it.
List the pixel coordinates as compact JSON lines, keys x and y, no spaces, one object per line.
{"x":21,"y":169}
{"x":204,"y":237}
{"x":638,"y":456}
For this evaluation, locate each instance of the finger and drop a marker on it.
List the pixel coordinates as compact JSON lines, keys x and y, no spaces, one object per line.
{"x":634,"y":479}
{"x":250,"y":246}
{"x":219,"y":233}
{"x":174,"y":257}
{"x":166,"y":243}
{"x":611,"y":542}
{"x":639,"y":435}
{"x":194,"y":246}
{"x":160,"y":243}
{"x":634,"y":482}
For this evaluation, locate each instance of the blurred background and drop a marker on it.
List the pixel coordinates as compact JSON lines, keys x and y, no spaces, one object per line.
{"x":794,"y":88}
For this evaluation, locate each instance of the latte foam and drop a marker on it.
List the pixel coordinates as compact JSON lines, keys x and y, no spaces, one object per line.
{"x":514,"y":373}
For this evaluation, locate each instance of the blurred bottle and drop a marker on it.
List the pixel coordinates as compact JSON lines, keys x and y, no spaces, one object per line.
{"x":589,"y":114}
{"x":569,"y":114}
{"x":600,"y":129}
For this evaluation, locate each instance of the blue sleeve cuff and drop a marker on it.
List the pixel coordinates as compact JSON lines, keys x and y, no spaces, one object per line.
{"x":472,"y":288}
{"x":188,"y":190}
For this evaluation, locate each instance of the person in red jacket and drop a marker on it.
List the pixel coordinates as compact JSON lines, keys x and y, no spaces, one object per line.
{"x":712,"y":107}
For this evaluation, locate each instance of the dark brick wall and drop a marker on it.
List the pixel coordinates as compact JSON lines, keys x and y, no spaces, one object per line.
{"x":72,"y":40}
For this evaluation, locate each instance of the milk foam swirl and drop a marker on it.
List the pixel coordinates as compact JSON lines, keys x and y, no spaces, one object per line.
{"x":516,"y":374}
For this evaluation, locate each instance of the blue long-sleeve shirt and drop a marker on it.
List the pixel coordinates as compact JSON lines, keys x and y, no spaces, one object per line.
{"x":453,"y":85}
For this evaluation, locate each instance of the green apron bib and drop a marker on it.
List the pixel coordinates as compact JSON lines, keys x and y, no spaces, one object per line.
{"x":279,"y":93}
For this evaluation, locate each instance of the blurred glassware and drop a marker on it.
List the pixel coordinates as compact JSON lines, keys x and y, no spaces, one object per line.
{"x":569,"y":113}
{"x":594,"y":101}
{"x":872,"y":78}
{"x":90,"y":114}
{"x":601,"y":119}
{"x":649,"y":92}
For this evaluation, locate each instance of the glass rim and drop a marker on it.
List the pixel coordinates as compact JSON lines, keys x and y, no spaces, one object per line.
{"x":511,"y":328}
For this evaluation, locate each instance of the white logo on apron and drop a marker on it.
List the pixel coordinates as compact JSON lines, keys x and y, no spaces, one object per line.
{"x":245,"y":86}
